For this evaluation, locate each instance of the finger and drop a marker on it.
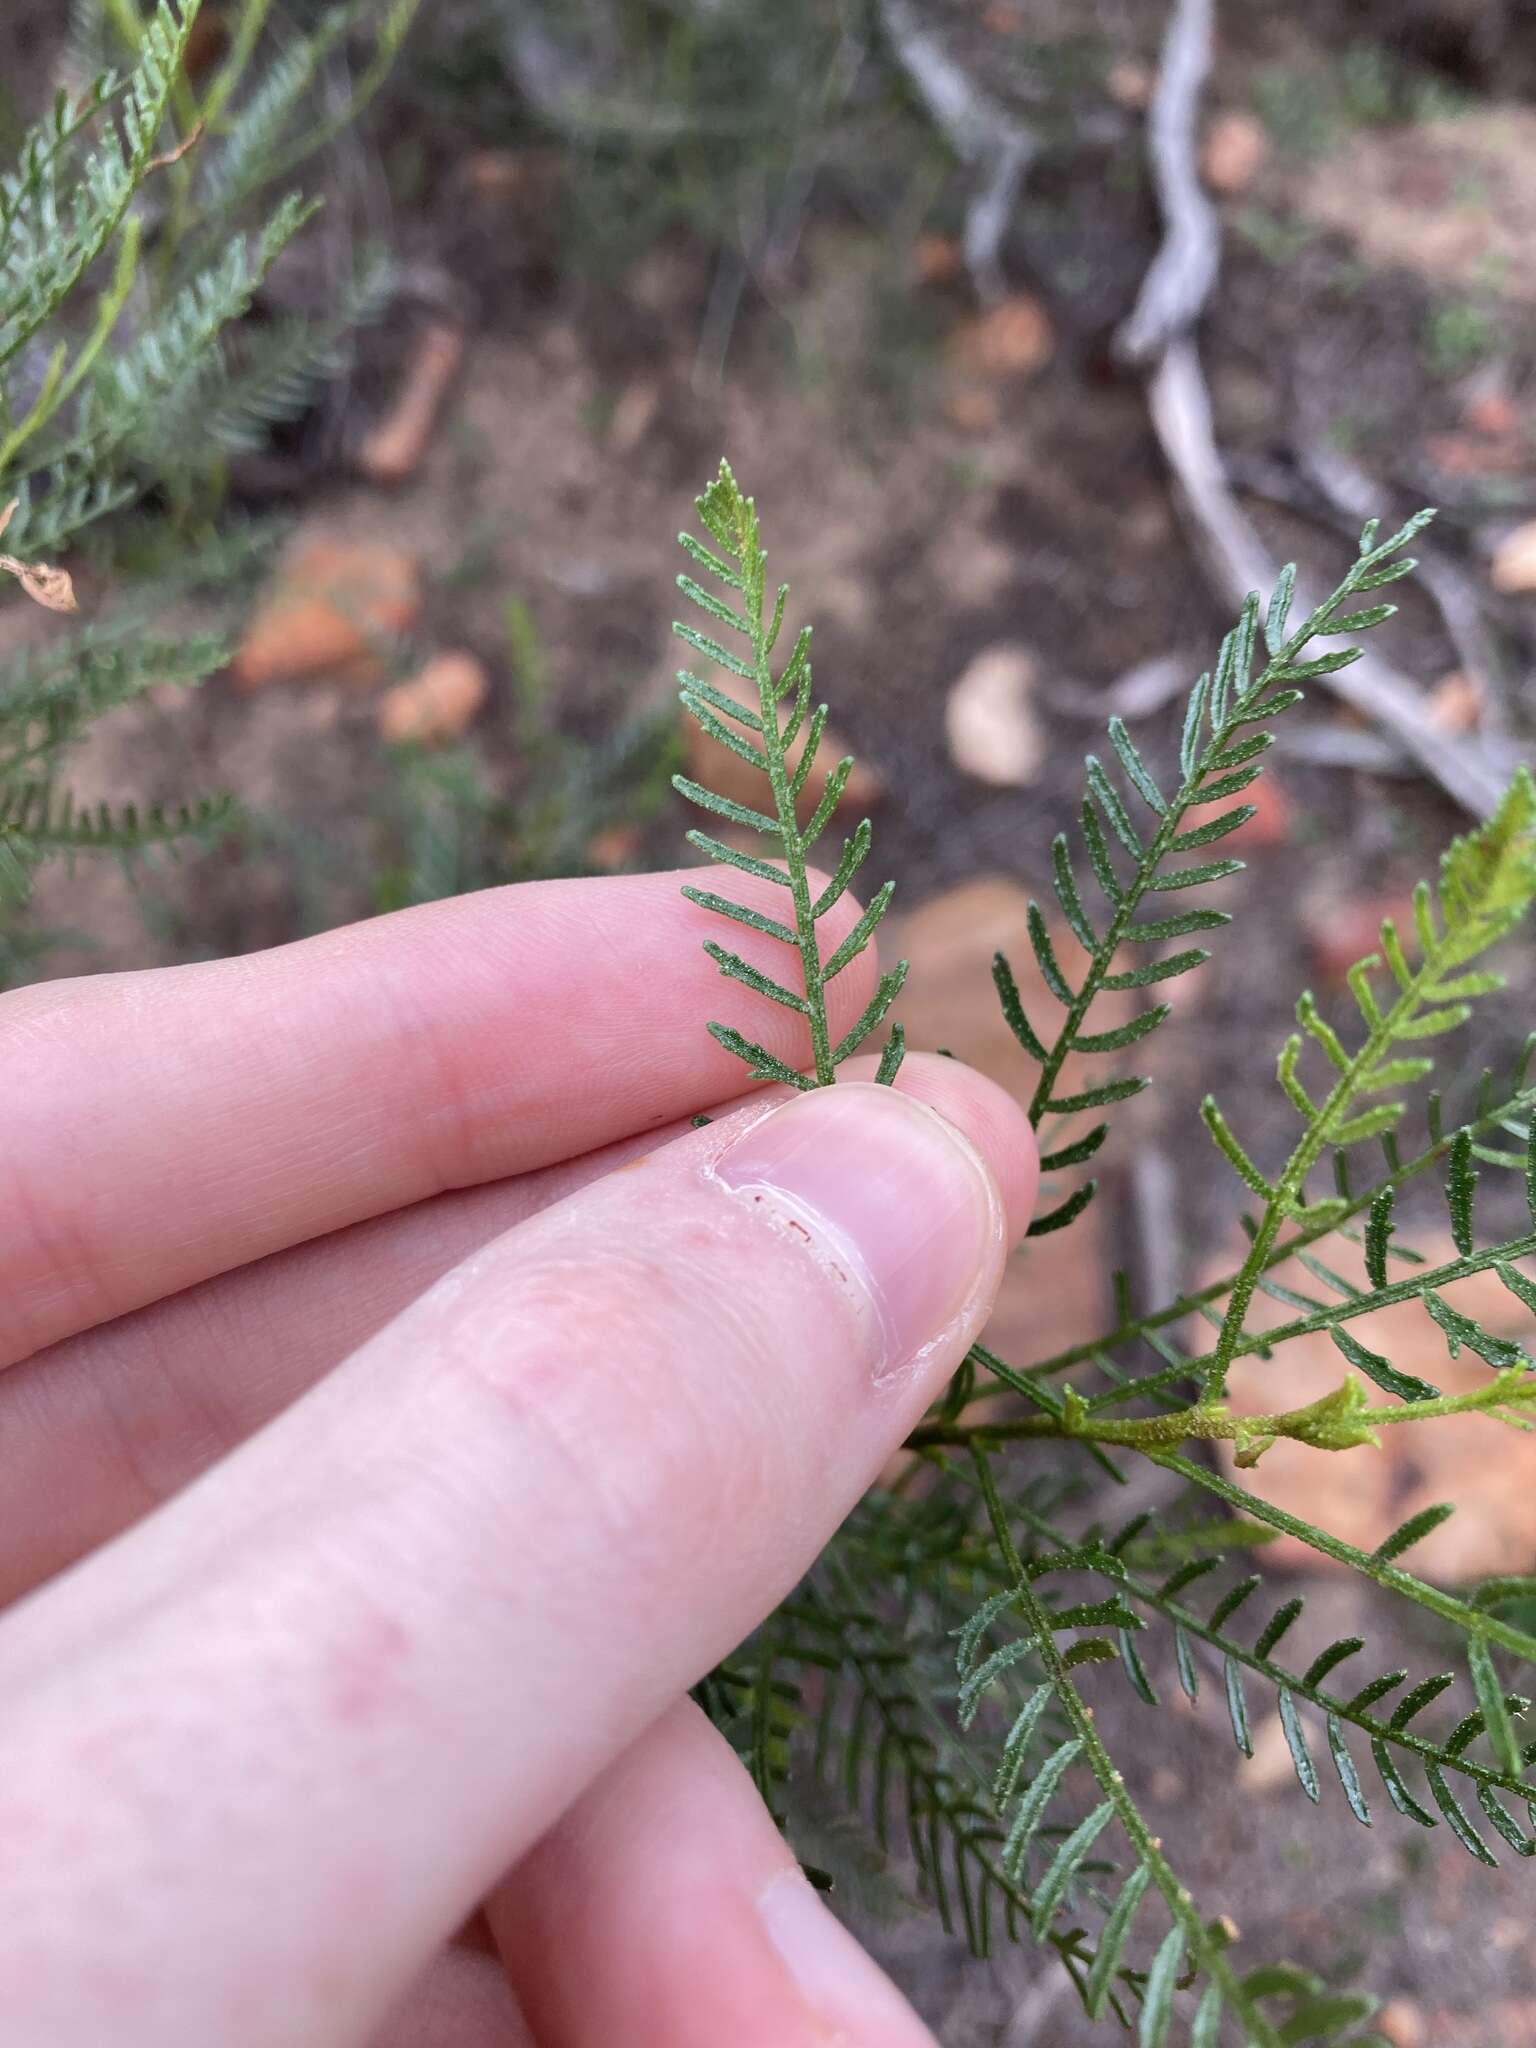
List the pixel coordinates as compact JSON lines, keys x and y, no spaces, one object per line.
{"x":368,"y":1661}
{"x":98,"y":1430}
{"x":666,"y":1911}
{"x":461,"y":2000}
{"x":165,"y":1126}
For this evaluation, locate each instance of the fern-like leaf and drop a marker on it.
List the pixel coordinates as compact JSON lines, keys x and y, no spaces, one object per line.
{"x":51,"y":242}
{"x":763,"y":732}
{"x":1219,"y":759}
{"x":1487,"y":881}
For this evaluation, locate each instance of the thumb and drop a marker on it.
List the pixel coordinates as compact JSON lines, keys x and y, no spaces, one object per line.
{"x":390,"y":1640}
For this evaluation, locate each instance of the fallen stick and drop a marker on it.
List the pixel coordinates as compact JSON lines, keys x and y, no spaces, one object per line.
{"x":1181,"y":275}
{"x":393,"y":449}
{"x":980,"y":132}
{"x":1473,"y":772}
{"x":1158,"y":335}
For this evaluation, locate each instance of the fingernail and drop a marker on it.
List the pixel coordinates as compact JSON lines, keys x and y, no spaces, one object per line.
{"x":839,"y":1982}
{"x":886,"y":1191}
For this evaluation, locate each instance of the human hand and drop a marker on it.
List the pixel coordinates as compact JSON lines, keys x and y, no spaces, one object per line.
{"x":413,"y":1631}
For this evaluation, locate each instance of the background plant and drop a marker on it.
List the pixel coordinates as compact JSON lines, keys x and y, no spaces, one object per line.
{"x":939,"y":1660}
{"x":444,"y":826}
{"x":137,"y":225}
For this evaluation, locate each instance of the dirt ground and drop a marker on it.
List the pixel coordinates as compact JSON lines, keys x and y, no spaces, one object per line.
{"x":1375,"y":300}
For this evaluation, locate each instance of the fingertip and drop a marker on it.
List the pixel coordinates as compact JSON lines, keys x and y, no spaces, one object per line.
{"x":893,"y":1204}
{"x":990,"y":1118}
{"x":666,"y":1907}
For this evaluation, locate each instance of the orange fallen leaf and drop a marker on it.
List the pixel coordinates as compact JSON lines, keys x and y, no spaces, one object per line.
{"x":1513,"y":569}
{"x":1456,"y":703}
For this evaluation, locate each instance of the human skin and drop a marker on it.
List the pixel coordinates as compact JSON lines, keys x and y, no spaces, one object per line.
{"x":404,"y":1405}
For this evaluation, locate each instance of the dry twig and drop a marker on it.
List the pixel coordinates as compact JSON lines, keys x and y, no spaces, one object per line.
{"x":45,"y":585}
{"x":981,"y":133}
{"x":1183,"y":272}
{"x":1159,"y":334}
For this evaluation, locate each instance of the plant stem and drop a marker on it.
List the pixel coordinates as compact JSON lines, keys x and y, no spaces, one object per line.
{"x":1277,"y":1675}
{"x":789,"y":824}
{"x":1314,"y":1141}
{"x":1471,"y":1620}
{"x":1308,"y":1234}
{"x":1325,"y":1318}
{"x":1147,"y":1847}
{"x":1211,"y":1422}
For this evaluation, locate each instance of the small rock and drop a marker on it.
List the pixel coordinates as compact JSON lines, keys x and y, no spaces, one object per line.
{"x":1513,"y":569}
{"x":1129,"y":86}
{"x":1235,"y":148}
{"x":613,"y":849}
{"x":969,"y":565}
{"x":727,"y":773}
{"x":1401,"y":2022}
{"x":333,"y":608}
{"x":937,"y":259}
{"x":1491,"y":412}
{"x":991,"y":726}
{"x":394,"y":449}
{"x":633,"y":416}
{"x":1013,"y":339}
{"x":974,"y":408}
{"x":1456,"y":703}
{"x":436,"y":705}
{"x":1344,"y":931}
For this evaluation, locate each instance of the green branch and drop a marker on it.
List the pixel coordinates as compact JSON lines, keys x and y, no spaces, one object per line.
{"x":1310,"y":1232}
{"x":1339,"y":1420}
{"x":1207,"y":1948}
{"x":765,"y":737}
{"x":1350,"y":1710}
{"x":1219,"y":758}
{"x":1475,"y":1622}
{"x":1329,"y":1317}
{"x":1487,"y":881}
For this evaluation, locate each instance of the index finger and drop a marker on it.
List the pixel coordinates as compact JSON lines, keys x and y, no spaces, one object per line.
{"x":165,"y":1126}
{"x":388,"y":1642}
